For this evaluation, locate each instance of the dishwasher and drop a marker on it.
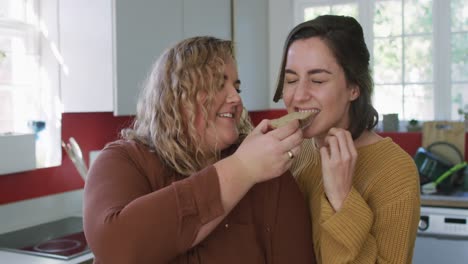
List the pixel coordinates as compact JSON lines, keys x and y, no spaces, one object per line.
{"x":442,"y":236}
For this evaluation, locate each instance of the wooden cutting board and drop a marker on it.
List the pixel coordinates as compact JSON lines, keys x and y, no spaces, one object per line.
{"x":445,"y":131}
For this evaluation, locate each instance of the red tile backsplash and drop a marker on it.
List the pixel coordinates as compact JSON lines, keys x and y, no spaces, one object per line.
{"x":93,"y":131}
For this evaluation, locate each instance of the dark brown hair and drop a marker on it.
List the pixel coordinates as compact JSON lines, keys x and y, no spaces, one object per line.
{"x":344,"y":37}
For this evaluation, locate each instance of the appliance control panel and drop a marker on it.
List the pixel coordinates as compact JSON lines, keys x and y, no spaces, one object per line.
{"x":438,"y":221}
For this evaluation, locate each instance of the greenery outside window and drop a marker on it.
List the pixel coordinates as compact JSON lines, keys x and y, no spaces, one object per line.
{"x":419,"y":52}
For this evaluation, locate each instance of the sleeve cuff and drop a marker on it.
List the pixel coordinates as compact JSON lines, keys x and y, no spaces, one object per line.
{"x":352,"y":224}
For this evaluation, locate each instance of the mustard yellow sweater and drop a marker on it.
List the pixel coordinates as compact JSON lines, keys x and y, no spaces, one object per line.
{"x":379,"y":219}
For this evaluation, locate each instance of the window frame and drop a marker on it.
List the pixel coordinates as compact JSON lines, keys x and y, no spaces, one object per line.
{"x":48,"y":151}
{"x":441,"y":43}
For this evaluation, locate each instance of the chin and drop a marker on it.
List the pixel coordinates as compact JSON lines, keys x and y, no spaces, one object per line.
{"x":309,"y":133}
{"x":231,"y":139}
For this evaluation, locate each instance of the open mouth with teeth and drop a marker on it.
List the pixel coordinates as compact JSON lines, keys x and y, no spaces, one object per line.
{"x":309,"y":116}
{"x":225,"y":115}
{"x":305,"y":118}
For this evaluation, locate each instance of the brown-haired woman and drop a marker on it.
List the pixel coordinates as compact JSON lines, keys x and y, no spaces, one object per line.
{"x":362,"y":189}
{"x":185,"y":185}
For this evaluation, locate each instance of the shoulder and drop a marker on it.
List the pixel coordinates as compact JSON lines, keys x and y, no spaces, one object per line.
{"x":122,"y":153}
{"x":386,"y":153}
{"x":129,"y":162}
{"x":130,"y":148}
{"x":391,"y":171}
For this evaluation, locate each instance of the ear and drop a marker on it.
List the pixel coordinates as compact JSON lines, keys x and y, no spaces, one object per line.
{"x":354,"y":92}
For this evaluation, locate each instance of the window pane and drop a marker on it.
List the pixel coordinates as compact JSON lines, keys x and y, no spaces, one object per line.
{"x":460,"y":57}
{"x":345,"y":10}
{"x":18,"y":40}
{"x":459,"y":10}
{"x":27,"y":107}
{"x":418,"y":16}
{"x":12,"y":9}
{"x":17,"y":106}
{"x":6,"y":113}
{"x":387,"y":18}
{"x":388,"y":99}
{"x":418,"y":59}
{"x":460,"y":100}
{"x":418,"y":102}
{"x":387,"y":60}
{"x":313,"y":12}
{"x":5,"y":43}
{"x":5,"y":69}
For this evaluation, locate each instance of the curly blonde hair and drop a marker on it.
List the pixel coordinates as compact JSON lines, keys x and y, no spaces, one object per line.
{"x":168,"y":104}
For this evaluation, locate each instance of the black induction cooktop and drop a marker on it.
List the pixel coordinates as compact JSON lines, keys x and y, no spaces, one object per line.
{"x":61,"y":239}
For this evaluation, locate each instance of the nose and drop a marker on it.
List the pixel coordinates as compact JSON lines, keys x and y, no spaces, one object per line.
{"x":233,"y":97}
{"x":302,"y":93}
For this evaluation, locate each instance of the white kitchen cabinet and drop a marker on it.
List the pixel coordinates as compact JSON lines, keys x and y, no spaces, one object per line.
{"x":143,"y":29}
{"x":85,"y":55}
{"x":251,"y":40}
{"x":107,"y":47}
{"x":207,"y":17}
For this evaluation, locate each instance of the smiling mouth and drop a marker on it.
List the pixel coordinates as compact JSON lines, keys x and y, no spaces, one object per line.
{"x":225,"y":115}
{"x":308,"y":120}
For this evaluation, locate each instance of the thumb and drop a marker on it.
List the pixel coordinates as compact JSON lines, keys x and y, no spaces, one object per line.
{"x":261,"y":128}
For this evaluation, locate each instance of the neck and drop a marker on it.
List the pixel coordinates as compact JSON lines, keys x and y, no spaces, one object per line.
{"x":366,"y":138}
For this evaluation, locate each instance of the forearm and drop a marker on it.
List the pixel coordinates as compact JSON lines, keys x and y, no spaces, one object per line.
{"x":233,"y":184}
{"x":348,"y":237}
{"x":128,"y":223}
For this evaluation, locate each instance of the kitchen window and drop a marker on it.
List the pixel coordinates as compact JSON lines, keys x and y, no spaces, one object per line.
{"x":29,"y":75}
{"x":419,"y":52}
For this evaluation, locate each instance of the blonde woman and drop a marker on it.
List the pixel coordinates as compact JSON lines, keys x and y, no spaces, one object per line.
{"x":186,"y":185}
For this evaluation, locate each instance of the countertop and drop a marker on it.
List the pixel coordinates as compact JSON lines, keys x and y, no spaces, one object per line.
{"x":459,"y":200}
{"x":41,"y":210}
{"x":18,"y":258}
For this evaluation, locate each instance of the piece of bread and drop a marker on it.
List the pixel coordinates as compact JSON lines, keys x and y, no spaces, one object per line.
{"x":282,"y":121}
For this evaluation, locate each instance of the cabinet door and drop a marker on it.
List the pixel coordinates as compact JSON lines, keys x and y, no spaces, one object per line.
{"x":251,"y":40}
{"x":145,"y":28}
{"x":207,"y":17}
{"x":86,"y":78}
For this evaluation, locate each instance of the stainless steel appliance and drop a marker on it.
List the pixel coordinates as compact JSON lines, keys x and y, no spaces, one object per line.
{"x":442,"y":235}
{"x":61,"y":239}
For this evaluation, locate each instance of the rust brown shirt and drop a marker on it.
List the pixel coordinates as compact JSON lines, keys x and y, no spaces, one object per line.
{"x":135,"y":211}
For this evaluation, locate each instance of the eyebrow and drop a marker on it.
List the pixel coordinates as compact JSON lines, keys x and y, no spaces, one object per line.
{"x":236,"y":82}
{"x":310,"y":72}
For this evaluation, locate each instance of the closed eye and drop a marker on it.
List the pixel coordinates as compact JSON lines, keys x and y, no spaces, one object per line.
{"x":291,"y":81}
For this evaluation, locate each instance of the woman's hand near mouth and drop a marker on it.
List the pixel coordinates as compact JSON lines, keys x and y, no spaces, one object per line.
{"x":339,"y":157}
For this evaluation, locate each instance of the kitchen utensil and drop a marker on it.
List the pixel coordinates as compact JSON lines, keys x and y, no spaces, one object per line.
{"x":431,"y":187}
{"x":74,"y":152}
{"x":76,"y":148}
